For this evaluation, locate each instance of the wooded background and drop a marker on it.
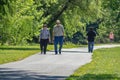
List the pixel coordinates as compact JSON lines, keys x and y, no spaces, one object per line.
{"x":21,"y":20}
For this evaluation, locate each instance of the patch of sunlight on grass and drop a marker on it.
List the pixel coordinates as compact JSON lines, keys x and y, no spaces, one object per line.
{"x":105,"y":65}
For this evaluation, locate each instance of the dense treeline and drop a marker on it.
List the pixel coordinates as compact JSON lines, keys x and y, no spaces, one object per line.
{"x":21,"y":20}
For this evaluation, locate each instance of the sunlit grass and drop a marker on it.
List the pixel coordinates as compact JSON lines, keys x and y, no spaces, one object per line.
{"x":14,"y":53}
{"x":104,"y":66}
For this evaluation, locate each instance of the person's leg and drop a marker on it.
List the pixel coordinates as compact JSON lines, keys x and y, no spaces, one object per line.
{"x":41,"y":48}
{"x":111,"y":40}
{"x":45,"y":45}
{"x":92,"y":46}
{"x":60,"y":43}
{"x":41,"y":45}
{"x":88,"y":46}
{"x":55,"y":44}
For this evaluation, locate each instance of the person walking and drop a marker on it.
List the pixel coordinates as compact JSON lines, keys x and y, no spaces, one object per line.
{"x":111,"y":37}
{"x":58,"y":34}
{"x":91,"y":37}
{"x":44,"y":38}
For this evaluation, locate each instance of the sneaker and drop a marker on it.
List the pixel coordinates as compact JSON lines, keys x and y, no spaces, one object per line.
{"x":44,"y":53}
{"x":41,"y":52}
{"x":56,"y":52}
{"x":59,"y":52}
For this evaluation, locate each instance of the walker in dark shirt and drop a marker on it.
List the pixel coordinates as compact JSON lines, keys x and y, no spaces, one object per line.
{"x":91,"y":37}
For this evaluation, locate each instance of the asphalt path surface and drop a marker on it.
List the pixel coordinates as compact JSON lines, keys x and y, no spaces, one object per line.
{"x":49,"y":66}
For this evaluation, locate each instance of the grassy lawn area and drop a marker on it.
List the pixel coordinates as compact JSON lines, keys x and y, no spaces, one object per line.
{"x":105,"y":65}
{"x":14,"y":53}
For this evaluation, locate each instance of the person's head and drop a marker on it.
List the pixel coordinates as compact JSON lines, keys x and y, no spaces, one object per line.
{"x":58,"y":22}
{"x":44,"y":25}
{"x":111,"y":32}
{"x":91,"y":28}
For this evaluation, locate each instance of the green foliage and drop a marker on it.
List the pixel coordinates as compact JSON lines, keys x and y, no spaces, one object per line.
{"x":20,"y":20}
{"x":111,"y":15}
{"x":104,"y":66}
{"x":76,"y":18}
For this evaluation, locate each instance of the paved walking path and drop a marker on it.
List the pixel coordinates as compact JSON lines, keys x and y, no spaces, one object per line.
{"x":49,"y":66}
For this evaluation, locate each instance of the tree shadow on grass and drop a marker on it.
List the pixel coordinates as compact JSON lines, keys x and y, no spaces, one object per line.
{"x":96,"y":77}
{"x":10,"y":48}
{"x":10,"y":74}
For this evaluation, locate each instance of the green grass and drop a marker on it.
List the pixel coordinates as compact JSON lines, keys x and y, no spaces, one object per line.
{"x":105,"y":65}
{"x":15,"y":53}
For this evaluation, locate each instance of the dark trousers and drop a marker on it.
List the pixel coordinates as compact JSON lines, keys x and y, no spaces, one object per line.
{"x":43,"y":45}
{"x":90,"y":46}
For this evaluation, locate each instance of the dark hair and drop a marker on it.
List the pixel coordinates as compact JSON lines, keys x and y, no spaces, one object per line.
{"x":91,"y":29}
{"x":44,"y":25}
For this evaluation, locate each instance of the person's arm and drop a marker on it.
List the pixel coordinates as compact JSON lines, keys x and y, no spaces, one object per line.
{"x":63,"y":30}
{"x":53,"y":34}
{"x":94,"y":33}
{"x":87,"y":36}
{"x":40,"y":35}
{"x":49,"y":37}
{"x":113,"y":36}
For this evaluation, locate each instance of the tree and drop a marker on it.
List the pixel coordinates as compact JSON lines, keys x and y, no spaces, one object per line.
{"x":17,"y":21}
{"x":20,"y":20}
{"x":111,"y":12}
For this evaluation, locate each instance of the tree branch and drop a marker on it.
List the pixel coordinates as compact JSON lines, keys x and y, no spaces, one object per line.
{"x":58,"y":13}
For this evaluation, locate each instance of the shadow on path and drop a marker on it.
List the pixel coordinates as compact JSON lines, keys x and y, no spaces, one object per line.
{"x":72,"y":51}
{"x":10,"y":74}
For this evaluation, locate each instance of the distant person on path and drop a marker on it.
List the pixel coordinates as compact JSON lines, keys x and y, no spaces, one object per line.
{"x":58,"y":34}
{"x":111,"y":37}
{"x":44,"y":38}
{"x":91,"y":37}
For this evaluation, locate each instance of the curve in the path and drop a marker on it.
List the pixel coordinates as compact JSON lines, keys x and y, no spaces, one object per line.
{"x":49,"y":66}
